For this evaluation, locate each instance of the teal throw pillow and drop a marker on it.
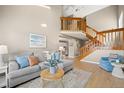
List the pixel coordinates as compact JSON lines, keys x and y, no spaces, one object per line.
{"x":22,"y":61}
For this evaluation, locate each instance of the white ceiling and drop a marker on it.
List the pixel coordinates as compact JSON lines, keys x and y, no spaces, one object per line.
{"x":81,"y":10}
{"x":78,"y":35}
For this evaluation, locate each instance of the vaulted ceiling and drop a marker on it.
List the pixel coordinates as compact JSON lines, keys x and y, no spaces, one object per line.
{"x":81,"y":10}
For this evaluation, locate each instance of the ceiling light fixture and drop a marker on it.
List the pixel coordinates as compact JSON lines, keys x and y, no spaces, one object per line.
{"x":44,"y":25}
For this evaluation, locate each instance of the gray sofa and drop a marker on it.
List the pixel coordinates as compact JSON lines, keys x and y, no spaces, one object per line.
{"x":17,"y":76}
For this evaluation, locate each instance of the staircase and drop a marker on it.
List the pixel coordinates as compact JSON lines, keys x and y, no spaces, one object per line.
{"x":110,"y":39}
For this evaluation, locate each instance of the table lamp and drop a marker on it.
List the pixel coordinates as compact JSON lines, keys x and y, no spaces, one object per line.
{"x":3,"y":50}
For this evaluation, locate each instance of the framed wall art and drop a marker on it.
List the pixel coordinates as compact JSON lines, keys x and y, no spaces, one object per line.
{"x":37,"y":41}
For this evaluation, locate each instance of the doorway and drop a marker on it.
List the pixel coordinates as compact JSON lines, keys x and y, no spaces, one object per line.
{"x":64,"y":44}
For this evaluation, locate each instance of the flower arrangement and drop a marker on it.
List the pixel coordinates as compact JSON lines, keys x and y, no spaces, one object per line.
{"x":55,"y":62}
{"x":52,"y":63}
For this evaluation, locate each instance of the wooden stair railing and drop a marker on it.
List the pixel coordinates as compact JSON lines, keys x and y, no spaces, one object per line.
{"x":109,"y":39}
{"x":78,"y":24}
{"x":92,"y":45}
{"x":113,"y":39}
{"x":89,"y":47}
{"x":69,"y":24}
{"x":93,"y":33}
{"x":90,"y":31}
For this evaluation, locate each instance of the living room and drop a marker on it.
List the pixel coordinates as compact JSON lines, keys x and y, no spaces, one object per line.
{"x":29,"y":32}
{"x":26,"y":26}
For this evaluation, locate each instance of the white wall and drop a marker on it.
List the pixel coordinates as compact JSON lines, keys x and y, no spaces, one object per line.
{"x":71,"y":48}
{"x":104,"y":19}
{"x":16,"y":22}
{"x":88,"y":9}
{"x":121,"y":16}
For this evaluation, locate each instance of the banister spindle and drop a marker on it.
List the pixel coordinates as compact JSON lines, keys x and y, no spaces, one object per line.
{"x":123,"y":40}
{"x":112,"y":38}
{"x":123,"y":35}
{"x":61,"y":24}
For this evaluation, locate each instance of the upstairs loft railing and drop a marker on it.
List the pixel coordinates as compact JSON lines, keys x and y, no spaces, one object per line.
{"x":72,"y":24}
{"x":77,"y":24}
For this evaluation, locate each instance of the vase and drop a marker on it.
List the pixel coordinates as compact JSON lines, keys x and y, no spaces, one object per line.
{"x":52,"y":70}
{"x":60,"y":65}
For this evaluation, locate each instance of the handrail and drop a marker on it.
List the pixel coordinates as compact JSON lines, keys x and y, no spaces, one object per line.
{"x":112,"y":30}
{"x":89,"y":47}
{"x":92,"y":29}
{"x":97,"y":32}
{"x":94,"y":39}
{"x":70,"y":18}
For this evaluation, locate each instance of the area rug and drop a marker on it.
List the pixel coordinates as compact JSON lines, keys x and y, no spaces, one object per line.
{"x":73,"y":79}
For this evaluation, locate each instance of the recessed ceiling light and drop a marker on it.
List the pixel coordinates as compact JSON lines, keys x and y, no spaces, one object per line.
{"x":44,"y":6}
{"x":43,"y":25}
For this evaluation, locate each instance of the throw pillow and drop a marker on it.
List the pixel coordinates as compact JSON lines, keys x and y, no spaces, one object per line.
{"x":33,"y":60}
{"x":114,"y":56}
{"x":22,"y":61}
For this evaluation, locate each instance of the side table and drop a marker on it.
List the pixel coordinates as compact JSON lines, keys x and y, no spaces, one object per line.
{"x":3,"y":78}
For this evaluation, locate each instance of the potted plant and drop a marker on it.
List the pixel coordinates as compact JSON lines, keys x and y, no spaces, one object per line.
{"x":52,"y":66}
{"x":58,"y":60}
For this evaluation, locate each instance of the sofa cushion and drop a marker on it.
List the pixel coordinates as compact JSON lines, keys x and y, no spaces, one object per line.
{"x":24,"y":71}
{"x":13,"y":66}
{"x":22,"y":61}
{"x":12,"y":57}
{"x":42,"y":66}
{"x":40,"y":56}
{"x":33,"y":60}
{"x":67,"y":62}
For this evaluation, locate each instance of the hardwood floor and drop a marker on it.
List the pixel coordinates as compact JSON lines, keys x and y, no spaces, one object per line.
{"x":99,"y":78}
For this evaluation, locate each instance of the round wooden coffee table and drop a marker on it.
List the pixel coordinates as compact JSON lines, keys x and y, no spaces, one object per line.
{"x":47,"y":76}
